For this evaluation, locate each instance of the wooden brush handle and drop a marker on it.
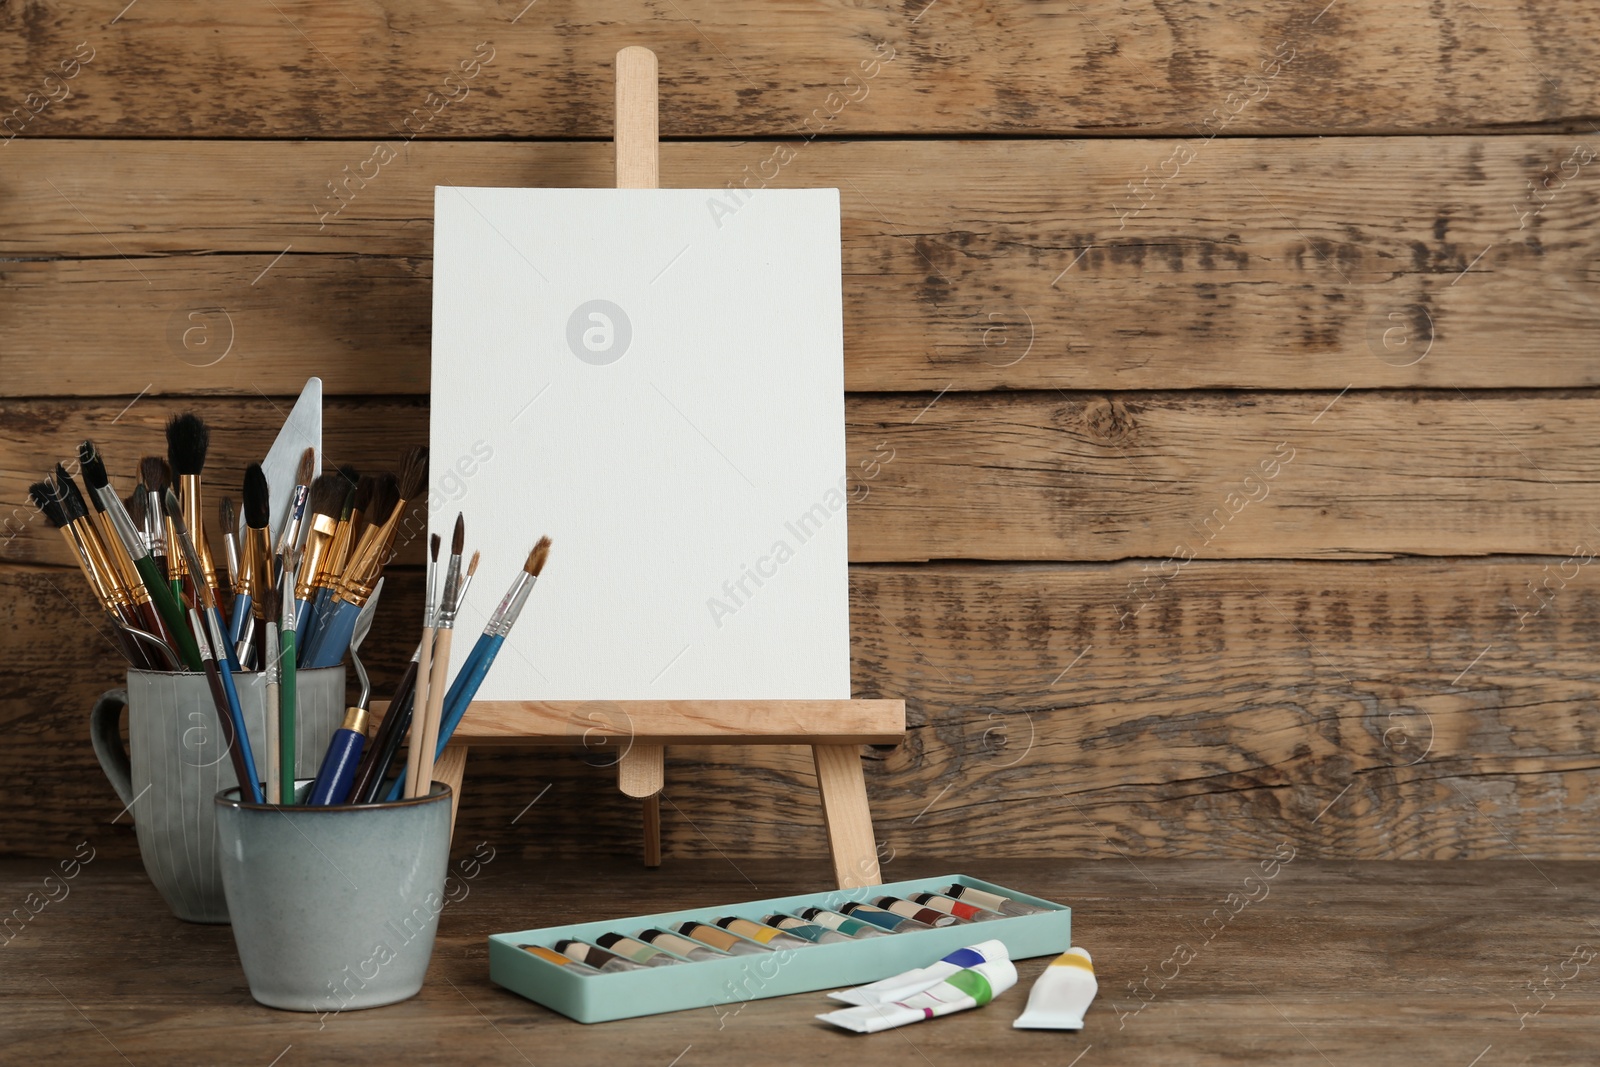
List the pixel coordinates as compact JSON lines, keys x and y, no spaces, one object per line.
{"x":423,"y":782}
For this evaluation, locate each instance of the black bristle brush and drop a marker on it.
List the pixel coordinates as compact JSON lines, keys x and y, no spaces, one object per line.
{"x":156,"y":476}
{"x":257,"y":565}
{"x":188,"y":440}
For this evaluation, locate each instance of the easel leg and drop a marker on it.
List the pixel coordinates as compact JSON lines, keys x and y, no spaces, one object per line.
{"x":849,"y":820}
{"x":652,"y":831}
{"x":448,"y":769}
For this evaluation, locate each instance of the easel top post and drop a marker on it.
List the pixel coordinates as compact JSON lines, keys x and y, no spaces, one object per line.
{"x":637,"y":133}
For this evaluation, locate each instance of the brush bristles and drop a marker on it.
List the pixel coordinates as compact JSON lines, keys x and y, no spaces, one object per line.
{"x":458,"y":539}
{"x":308,"y":463}
{"x":327,"y":495}
{"x":91,"y":466}
{"x":413,"y":473}
{"x":71,"y":497}
{"x":385,"y":495}
{"x":257,"y":501}
{"x":433,"y":548}
{"x":472,"y":567}
{"x":43,"y":495}
{"x":271,"y":605}
{"x":137,"y":505}
{"x":361,"y":500}
{"x":155,"y":474}
{"x":169,"y":501}
{"x":537,"y":557}
{"x":188,"y":438}
{"x":227,"y":516}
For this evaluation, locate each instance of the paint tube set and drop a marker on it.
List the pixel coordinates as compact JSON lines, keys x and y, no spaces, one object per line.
{"x":723,"y":957}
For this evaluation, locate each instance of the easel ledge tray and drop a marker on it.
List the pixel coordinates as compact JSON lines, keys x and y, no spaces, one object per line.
{"x":726,"y":983}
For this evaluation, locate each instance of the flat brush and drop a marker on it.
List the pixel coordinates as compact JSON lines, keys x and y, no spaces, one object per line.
{"x":46,"y":498}
{"x":483,"y":654}
{"x":188,"y":440}
{"x":331,"y":636}
{"x":324,"y":504}
{"x":250,"y":785}
{"x":256,"y":564}
{"x":358,"y":505}
{"x":156,"y":476}
{"x":271,"y":673}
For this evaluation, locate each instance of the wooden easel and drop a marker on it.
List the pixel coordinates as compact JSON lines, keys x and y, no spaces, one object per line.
{"x":643,"y":728}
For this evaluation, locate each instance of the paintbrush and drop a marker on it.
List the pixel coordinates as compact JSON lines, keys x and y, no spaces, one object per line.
{"x":294,"y":518}
{"x":419,"y":715}
{"x":371,"y":494}
{"x":228,"y":516}
{"x":76,"y":512}
{"x":397,"y":720}
{"x":122,"y":600}
{"x":271,"y":671}
{"x":337,"y":771}
{"x":238,"y":753}
{"x":483,"y":654}
{"x":172,"y":626}
{"x":47,"y":499}
{"x":441,"y":659}
{"x":324,"y":504}
{"x":188,"y":439}
{"x":252,"y":785}
{"x":332,"y":634}
{"x":288,"y":696}
{"x":256,"y":563}
{"x":156,"y":477}
{"x":373,"y":551}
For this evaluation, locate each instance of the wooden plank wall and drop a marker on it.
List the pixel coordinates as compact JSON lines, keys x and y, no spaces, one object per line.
{"x":1222,"y":382}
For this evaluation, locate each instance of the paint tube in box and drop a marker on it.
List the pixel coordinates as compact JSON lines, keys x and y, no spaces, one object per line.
{"x":681,"y":946}
{"x":598,"y":958}
{"x":971,"y":987}
{"x":888,"y":920}
{"x":852,"y":928}
{"x":637,"y":951}
{"x":552,"y":956}
{"x":922,"y":914}
{"x":950,"y":906}
{"x":813,"y":932}
{"x":760,"y":932}
{"x":916,"y":980}
{"x":992,"y":901}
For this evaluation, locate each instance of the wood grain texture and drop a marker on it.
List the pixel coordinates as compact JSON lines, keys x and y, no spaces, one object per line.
{"x":583,"y":723}
{"x":1405,"y":709}
{"x":1402,"y":947}
{"x":1282,"y":263}
{"x":299,"y":69}
{"x":1031,"y":476}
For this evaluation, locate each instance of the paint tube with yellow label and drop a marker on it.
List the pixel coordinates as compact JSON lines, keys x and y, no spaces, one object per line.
{"x":1061,"y":995}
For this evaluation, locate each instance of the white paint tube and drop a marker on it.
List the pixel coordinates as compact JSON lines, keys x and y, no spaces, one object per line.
{"x":916,"y":980}
{"x":971,"y":987}
{"x":1061,"y":994}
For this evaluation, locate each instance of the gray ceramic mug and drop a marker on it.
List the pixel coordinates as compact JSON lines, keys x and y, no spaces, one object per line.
{"x":176,"y":763}
{"x":335,"y":908}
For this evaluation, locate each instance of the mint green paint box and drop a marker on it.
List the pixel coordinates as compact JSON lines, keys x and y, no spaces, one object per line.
{"x":729,"y":983}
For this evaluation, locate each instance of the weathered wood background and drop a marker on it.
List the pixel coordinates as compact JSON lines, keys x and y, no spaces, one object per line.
{"x":1225,"y":381}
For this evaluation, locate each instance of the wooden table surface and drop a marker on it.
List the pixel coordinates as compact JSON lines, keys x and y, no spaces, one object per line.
{"x":1358,"y":963}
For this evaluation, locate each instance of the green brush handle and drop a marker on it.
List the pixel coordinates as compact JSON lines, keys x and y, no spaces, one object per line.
{"x":171,"y":611}
{"x":286,"y":714}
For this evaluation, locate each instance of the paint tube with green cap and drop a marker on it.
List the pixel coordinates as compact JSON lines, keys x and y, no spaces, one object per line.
{"x":1061,"y":994}
{"x":915,"y":981}
{"x":971,"y":987}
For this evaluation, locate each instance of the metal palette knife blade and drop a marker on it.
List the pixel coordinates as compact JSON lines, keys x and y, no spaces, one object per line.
{"x":301,"y":430}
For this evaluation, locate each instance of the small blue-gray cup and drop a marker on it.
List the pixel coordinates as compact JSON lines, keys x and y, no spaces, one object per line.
{"x":334,"y":908}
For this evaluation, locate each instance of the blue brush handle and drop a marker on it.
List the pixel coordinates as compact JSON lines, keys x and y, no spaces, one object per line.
{"x":338,"y":770}
{"x":241,"y":734}
{"x":312,"y":621}
{"x":241,"y":611}
{"x":462,"y":690}
{"x":302,"y":612}
{"x":330,"y":642}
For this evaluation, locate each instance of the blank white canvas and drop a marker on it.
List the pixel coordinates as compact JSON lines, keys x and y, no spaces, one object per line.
{"x":693,"y":485}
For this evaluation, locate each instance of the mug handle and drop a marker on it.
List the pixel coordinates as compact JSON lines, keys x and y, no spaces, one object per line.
{"x":107,"y":741}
